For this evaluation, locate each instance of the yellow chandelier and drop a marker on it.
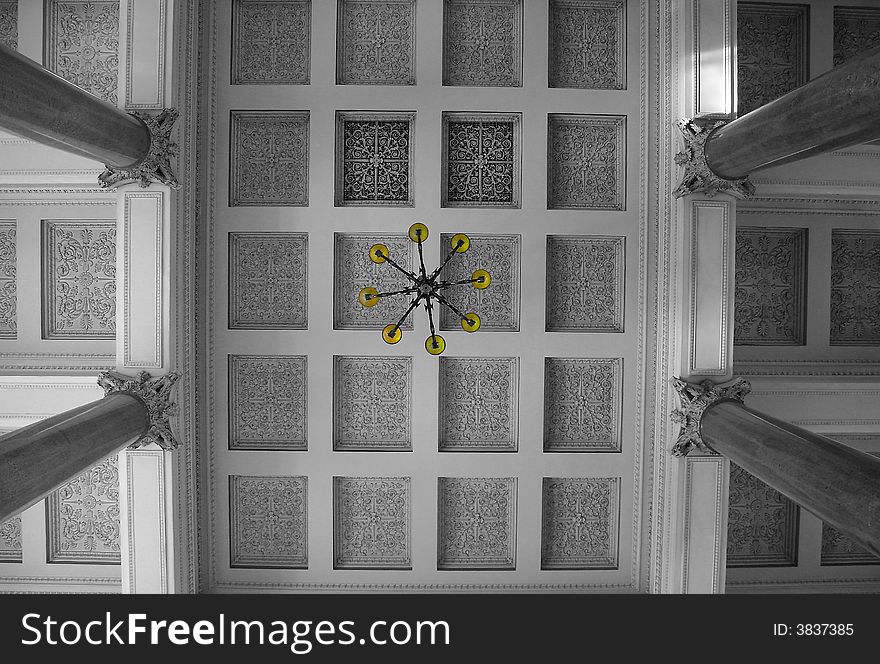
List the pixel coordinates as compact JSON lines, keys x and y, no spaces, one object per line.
{"x":425,"y":287}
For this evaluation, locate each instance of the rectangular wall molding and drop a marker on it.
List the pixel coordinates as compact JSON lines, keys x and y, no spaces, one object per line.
{"x":709,"y":322}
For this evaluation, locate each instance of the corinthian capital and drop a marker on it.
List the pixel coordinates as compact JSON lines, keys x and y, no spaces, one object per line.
{"x":156,"y":166}
{"x":694,"y":400}
{"x":155,"y":393}
{"x":697,"y":176}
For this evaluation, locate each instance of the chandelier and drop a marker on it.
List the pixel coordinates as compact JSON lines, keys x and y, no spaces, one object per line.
{"x":425,"y":287}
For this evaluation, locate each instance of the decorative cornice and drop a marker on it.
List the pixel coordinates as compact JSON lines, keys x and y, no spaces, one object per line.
{"x":155,"y":393}
{"x":156,"y":166}
{"x":697,"y":176}
{"x":694,"y":401}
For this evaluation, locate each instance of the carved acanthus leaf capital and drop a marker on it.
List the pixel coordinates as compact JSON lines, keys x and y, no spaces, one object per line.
{"x":697,"y":176}
{"x":694,"y":401}
{"x":155,"y":393}
{"x":156,"y":166}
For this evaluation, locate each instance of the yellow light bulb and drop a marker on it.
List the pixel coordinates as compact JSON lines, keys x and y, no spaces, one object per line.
{"x":465,"y":242}
{"x":470,"y":323}
{"x":368,"y":297}
{"x":382,"y":249}
{"x":418,"y":232}
{"x":391,"y":334}
{"x":483,"y":279}
{"x":435,"y":344}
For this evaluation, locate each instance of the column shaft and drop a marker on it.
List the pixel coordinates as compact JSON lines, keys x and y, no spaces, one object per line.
{"x":37,"y":459}
{"x":837,"y":483}
{"x":835,"y":110}
{"x":41,"y":106}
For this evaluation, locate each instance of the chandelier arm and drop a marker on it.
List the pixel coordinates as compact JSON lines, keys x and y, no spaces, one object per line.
{"x":408,"y":274}
{"x":398,"y":292}
{"x":442,"y":300}
{"x":429,"y":309}
{"x":423,"y":272}
{"x":412,"y":305}
{"x":448,"y":284}
{"x":436,"y":273}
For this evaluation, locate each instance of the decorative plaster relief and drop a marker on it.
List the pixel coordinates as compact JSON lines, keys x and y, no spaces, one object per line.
{"x":10,"y":540}
{"x":579,"y":522}
{"x":585,"y":283}
{"x":482,"y":42}
{"x":267,"y":402}
{"x":482,"y":160}
{"x":8,"y":294}
{"x":82,"y":44}
{"x":271,"y":42}
{"x":856,"y":30}
{"x":9,"y":24}
{"x":268,"y":281}
{"x":372,"y":403}
{"x":479,"y":398}
{"x":371,"y":523}
{"x":582,"y":404}
{"x":79,"y":279}
{"x":586,"y":163}
{"x":374,"y":158}
{"x":855,"y":288}
{"x":762,"y":524}
{"x":268,"y":522}
{"x":477,"y":523}
{"x":353,"y":270}
{"x":376,"y":42}
{"x":588,"y":44}
{"x":838,"y":549}
{"x":498,"y":305}
{"x":772,"y":51}
{"x":269,"y":158}
{"x":82,"y":518}
{"x":770,"y":303}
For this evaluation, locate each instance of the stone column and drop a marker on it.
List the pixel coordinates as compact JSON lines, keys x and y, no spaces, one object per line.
{"x":41,"y":106}
{"x":37,"y":459}
{"x":837,"y":483}
{"x":838,"y":109}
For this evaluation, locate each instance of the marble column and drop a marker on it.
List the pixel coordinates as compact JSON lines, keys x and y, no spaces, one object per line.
{"x":835,"y":110}
{"x":37,"y":459}
{"x":43,"y":107}
{"x":837,"y":483}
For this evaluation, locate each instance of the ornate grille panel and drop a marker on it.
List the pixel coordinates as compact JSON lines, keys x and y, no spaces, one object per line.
{"x":762,"y":524}
{"x":271,"y":42}
{"x":770,"y":304}
{"x":588,"y":44}
{"x":82,"y":44}
{"x":268,"y":519}
{"x":376,"y":42}
{"x":481,"y":160}
{"x":772,"y":51}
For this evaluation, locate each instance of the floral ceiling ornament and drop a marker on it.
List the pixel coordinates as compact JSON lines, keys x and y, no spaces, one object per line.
{"x":155,"y":393}
{"x":156,"y":166}
{"x":695,"y":399}
{"x":425,"y":287}
{"x":697,"y":176}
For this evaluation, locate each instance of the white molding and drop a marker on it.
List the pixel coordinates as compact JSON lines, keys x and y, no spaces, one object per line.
{"x":714,"y":56}
{"x":705,"y":476}
{"x":145,"y":50}
{"x":146,"y":537}
{"x":710,"y":285}
{"x":142,"y":294}
{"x":474,"y":588}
